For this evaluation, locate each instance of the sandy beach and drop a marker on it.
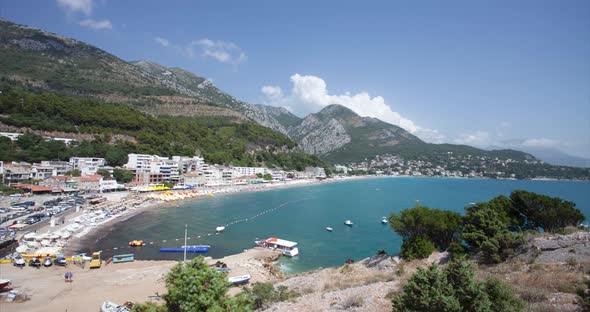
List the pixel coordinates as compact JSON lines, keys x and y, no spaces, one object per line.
{"x":44,"y":289}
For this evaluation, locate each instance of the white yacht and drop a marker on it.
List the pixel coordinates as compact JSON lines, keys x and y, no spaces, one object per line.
{"x":348,"y":222}
{"x":286,"y":247}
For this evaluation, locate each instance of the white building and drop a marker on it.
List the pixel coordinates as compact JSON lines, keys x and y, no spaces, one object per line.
{"x":109,"y":185}
{"x":153,"y":168}
{"x":189,"y":164}
{"x":87,"y":165}
{"x":341,"y":169}
{"x":40,"y":172}
{"x":247,"y":171}
{"x":59,"y":167}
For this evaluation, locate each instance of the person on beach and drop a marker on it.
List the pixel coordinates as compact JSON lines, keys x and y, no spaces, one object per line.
{"x":69,"y":276}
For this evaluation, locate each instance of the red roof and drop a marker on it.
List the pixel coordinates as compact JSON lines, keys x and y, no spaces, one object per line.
{"x":33,"y":188}
{"x":91,"y":178}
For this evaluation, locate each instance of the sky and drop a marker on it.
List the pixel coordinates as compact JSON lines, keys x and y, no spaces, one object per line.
{"x":510,"y":74}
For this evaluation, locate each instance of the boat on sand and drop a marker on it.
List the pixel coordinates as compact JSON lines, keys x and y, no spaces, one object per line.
{"x":239,"y":280}
{"x":108,"y":306}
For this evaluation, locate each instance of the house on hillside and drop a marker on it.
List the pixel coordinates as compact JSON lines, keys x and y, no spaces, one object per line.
{"x":16,"y":173}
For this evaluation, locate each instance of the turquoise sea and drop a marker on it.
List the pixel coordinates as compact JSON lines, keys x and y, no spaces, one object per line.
{"x":301,"y":214}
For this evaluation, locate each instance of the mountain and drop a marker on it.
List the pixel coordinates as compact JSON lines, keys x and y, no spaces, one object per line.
{"x":337,"y":134}
{"x":556,"y":157}
{"x":336,"y":131}
{"x":44,"y":61}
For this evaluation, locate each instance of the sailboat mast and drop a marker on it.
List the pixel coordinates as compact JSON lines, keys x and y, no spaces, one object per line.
{"x":185,"y":230}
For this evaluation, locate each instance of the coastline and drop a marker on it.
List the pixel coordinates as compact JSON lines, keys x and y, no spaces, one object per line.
{"x":74,"y":244}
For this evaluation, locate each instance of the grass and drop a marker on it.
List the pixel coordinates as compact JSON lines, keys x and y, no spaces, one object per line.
{"x":353,"y":302}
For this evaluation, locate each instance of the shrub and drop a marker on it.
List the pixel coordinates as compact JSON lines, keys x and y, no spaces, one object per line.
{"x":417,"y":248}
{"x":454,"y":289}
{"x":193,"y":286}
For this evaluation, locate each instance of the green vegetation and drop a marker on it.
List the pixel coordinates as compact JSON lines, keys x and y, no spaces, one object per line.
{"x":423,"y":229}
{"x":265,"y":294}
{"x":219,"y":142}
{"x":122,"y":175}
{"x":193,"y":286}
{"x":7,"y":190}
{"x":485,"y":231}
{"x":454,"y":288}
{"x":541,"y":211}
{"x":584,"y":295}
{"x":494,"y":230}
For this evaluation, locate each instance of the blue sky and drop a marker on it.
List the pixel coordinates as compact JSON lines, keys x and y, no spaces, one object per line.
{"x":485,"y":73}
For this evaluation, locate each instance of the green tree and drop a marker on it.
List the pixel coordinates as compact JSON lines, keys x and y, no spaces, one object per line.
{"x":427,"y":290}
{"x":420,"y":224}
{"x":417,"y":247}
{"x":193,"y":286}
{"x":541,"y":211}
{"x":103,"y":172}
{"x":485,"y":230}
{"x":454,"y":288}
{"x":267,"y":177}
{"x":116,"y":156}
{"x":122,"y":175}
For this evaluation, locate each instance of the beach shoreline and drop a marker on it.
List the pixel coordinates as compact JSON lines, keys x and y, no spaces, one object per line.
{"x":75,"y":244}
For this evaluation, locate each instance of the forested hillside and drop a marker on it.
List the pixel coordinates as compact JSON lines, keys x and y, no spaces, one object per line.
{"x":120,"y":129}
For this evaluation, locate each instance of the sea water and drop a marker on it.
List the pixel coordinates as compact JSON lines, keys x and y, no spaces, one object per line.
{"x":301,"y":214}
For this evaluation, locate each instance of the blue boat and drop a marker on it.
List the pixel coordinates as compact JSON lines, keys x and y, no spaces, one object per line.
{"x":195,"y":248}
{"x":123,"y":258}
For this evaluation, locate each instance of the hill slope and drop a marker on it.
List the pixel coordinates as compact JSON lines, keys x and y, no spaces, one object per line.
{"x":44,"y":61}
{"x":338,"y":134}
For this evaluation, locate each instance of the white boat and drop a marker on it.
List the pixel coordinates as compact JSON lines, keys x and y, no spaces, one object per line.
{"x":238,"y":280}
{"x":384,"y":220}
{"x":329,"y":229}
{"x":108,"y":306}
{"x":348,"y":222}
{"x":286,"y":247}
{"x":220,"y":229}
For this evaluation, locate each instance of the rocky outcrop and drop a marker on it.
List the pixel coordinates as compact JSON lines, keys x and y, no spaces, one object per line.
{"x":558,"y":248}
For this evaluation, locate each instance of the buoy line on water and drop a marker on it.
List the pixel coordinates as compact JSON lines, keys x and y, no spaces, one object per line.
{"x":153,"y":243}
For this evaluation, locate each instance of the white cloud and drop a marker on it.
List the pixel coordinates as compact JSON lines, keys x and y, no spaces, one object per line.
{"x":272,"y":92}
{"x":310,"y":94}
{"x":221,"y":51}
{"x":163,"y":42}
{"x":98,"y":25}
{"x":73,"y":6}
{"x":479,"y":139}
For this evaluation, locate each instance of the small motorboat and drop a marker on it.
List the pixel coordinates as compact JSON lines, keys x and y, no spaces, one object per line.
{"x":239,"y":280}
{"x":4,"y":283}
{"x":329,"y":229}
{"x":108,"y":306}
{"x":348,"y":222}
{"x":196,"y":248}
{"x":220,"y":229}
{"x":35,"y":262}
{"x":19,"y":262}
{"x":47,"y":262}
{"x":136,"y":243}
{"x":384,"y":220}
{"x":61,"y":261}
